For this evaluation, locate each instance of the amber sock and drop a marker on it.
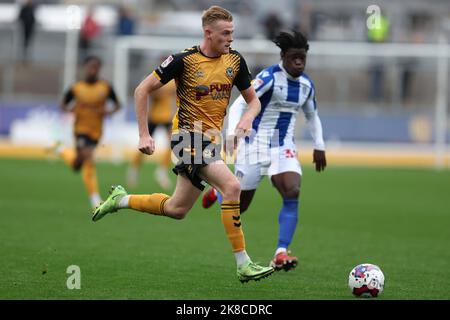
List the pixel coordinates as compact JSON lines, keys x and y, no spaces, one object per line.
{"x":231,"y":220}
{"x":89,"y":175}
{"x":152,"y":203}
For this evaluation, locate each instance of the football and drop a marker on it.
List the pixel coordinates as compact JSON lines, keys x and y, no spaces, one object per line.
{"x":366,"y":280}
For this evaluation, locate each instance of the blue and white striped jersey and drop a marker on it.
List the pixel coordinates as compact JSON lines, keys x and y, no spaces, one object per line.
{"x":281,"y":97}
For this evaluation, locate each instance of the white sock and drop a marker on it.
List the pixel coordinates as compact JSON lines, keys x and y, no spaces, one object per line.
{"x":241,"y":257}
{"x":124,"y":202}
{"x":280,"y":250}
{"x":95,"y":199}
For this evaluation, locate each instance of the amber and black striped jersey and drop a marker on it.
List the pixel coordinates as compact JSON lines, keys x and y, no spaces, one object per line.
{"x":90,"y":104}
{"x":203,"y":86}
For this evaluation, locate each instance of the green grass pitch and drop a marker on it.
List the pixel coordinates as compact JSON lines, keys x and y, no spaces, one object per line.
{"x":396,"y":218}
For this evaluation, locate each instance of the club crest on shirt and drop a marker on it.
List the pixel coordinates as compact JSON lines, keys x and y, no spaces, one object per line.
{"x":199,"y":74}
{"x":230,"y":72}
{"x":167,"y":62}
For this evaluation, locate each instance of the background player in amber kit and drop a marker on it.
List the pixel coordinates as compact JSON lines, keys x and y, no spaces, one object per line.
{"x":89,"y":108}
{"x":162,"y":103}
{"x":204,"y":75}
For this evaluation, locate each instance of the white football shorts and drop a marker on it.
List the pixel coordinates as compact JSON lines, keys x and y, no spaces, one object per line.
{"x":252,"y":162}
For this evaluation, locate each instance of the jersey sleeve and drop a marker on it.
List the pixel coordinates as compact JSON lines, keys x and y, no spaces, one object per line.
{"x":263,"y":82}
{"x":171,"y":68}
{"x":68,"y":96}
{"x":312,"y":119}
{"x":242,"y":80}
{"x":310,"y":104}
{"x":112,"y":94}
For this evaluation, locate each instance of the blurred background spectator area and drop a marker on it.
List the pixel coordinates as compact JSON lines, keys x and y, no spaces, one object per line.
{"x":386,"y":98}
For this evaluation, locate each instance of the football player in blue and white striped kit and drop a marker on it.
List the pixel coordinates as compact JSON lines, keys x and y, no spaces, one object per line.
{"x":270,"y":150}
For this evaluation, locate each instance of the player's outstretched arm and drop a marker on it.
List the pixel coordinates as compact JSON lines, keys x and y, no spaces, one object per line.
{"x":68,"y":97}
{"x":315,"y":129}
{"x":141,"y":94}
{"x":113,"y":97}
{"x":240,"y":125}
{"x":235,"y":113}
{"x":254,"y":107}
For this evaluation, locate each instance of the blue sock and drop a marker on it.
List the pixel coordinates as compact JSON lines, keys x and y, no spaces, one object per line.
{"x":219,"y":197}
{"x":288,"y":221}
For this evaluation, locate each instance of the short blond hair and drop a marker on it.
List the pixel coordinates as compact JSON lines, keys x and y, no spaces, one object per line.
{"x":215,"y":13}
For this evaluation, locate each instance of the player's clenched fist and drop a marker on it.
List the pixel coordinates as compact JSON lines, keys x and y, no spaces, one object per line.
{"x":146,"y":145}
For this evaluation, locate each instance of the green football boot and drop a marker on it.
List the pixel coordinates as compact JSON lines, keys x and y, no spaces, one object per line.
{"x":252,"y":271}
{"x":111,"y":204}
